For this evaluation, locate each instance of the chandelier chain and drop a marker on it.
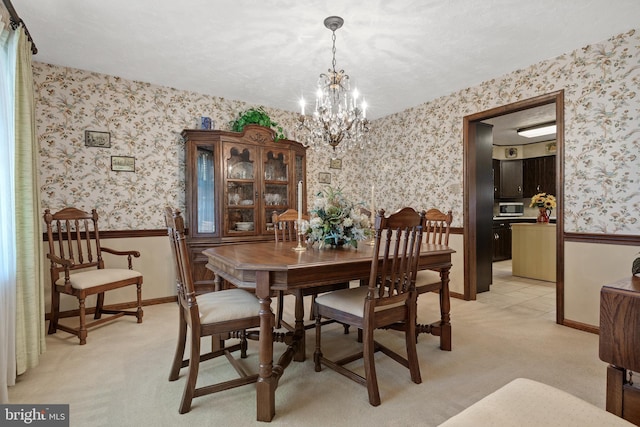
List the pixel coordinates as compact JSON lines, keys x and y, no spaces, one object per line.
{"x":333,"y":51}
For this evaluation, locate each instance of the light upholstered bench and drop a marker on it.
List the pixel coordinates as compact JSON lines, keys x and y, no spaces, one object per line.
{"x":524,"y":402}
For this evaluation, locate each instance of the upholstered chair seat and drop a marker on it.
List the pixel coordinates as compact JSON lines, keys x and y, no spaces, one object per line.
{"x":91,"y":278}
{"x":232,"y":304}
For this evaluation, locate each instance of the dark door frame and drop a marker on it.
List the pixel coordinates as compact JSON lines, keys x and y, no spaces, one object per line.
{"x":470,"y":191}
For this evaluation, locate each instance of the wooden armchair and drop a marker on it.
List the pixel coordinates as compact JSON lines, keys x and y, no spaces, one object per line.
{"x":389,"y":298}
{"x":78,"y":269}
{"x":436,"y":232}
{"x":286,"y":231}
{"x":223,"y":314}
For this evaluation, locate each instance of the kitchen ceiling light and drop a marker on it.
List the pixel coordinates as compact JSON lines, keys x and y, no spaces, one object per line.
{"x":337,"y":120}
{"x":538,"y":130}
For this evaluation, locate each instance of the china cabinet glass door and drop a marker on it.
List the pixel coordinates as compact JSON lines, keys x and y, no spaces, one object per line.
{"x":240,"y":195}
{"x":205,"y":190}
{"x":276,"y":184}
{"x":299,"y":175}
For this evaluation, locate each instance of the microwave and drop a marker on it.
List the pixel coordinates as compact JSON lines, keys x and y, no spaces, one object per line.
{"x":510,"y":209}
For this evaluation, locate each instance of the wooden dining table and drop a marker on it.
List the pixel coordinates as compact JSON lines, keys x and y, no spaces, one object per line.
{"x":270,"y":266}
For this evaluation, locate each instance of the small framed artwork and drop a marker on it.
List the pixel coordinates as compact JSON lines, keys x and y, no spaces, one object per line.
{"x":324,"y":178}
{"x":123,"y":164}
{"x":511,"y":153}
{"x":94,"y":138}
{"x":335,"y":164}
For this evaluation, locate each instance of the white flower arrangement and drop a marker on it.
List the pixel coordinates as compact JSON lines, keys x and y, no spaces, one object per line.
{"x":336,"y":221}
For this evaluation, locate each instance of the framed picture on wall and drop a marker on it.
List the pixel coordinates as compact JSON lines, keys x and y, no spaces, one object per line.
{"x":324,"y":178}
{"x":335,"y":164}
{"x":123,"y":164}
{"x":94,"y":138}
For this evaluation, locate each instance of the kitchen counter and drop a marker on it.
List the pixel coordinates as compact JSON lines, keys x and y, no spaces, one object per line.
{"x":533,"y":251}
{"x":511,"y":218}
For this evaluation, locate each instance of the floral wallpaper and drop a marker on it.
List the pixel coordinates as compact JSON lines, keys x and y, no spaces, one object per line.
{"x":415,"y":156}
{"x":145,"y":121}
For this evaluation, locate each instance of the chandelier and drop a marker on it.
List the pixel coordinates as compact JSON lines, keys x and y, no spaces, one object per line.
{"x":337,"y":120}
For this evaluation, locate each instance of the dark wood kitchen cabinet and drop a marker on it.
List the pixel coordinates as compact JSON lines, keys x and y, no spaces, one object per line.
{"x":502,"y":236}
{"x":539,"y":175}
{"x":511,"y":179}
{"x":496,"y":178}
{"x":501,"y":240}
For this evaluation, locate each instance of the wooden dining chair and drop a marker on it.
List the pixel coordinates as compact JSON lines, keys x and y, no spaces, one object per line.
{"x":438,"y":225}
{"x":284,"y":225}
{"x":77,"y":268}
{"x":221,"y":314}
{"x":389,"y":298}
{"x":286,"y":231}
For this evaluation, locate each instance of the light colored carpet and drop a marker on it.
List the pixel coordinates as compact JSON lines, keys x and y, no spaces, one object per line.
{"x":120,"y":377}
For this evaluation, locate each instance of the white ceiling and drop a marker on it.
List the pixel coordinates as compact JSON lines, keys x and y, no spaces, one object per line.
{"x":399,"y":53}
{"x":505,"y":127}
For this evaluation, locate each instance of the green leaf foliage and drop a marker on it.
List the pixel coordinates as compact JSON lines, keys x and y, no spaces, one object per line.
{"x":256,"y":116}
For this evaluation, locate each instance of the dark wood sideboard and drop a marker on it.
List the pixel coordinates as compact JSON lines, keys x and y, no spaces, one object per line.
{"x":620,"y":346}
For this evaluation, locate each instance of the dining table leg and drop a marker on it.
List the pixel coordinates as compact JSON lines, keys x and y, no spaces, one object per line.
{"x":266,"y":384}
{"x":445,"y":309}
{"x":299,"y":331}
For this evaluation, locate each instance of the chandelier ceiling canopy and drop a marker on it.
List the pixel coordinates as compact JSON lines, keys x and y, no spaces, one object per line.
{"x":338,"y":120}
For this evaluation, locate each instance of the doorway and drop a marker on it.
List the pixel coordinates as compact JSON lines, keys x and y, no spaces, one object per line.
{"x":475,"y":219}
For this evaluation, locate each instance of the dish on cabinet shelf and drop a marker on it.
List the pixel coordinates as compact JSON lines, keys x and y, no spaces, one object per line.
{"x":246,"y":202}
{"x":272,"y":199}
{"x":241,"y":170}
{"x":244,"y":226}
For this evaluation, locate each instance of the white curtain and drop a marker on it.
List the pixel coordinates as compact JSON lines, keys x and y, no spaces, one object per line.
{"x":8,"y":53}
{"x":30,"y":336}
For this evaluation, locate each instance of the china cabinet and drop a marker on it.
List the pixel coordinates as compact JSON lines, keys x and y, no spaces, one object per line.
{"x":235,"y":182}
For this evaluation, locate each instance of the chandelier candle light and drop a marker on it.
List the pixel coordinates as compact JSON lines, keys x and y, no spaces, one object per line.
{"x":338,"y":120}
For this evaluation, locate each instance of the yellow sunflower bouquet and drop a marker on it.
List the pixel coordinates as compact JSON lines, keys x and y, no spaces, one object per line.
{"x":543,"y":200}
